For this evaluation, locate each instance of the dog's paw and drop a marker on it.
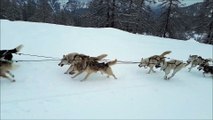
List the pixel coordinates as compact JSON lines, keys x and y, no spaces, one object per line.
{"x":13,"y":81}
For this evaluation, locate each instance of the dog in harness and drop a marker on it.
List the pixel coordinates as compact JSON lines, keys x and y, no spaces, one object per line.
{"x":196,"y":60}
{"x":90,"y":66}
{"x":153,"y":61}
{"x":69,"y":59}
{"x":175,"y":65}
{"x":6,"y":62}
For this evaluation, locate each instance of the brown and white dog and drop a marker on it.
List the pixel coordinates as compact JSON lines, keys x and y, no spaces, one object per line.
{"x":153,"y":61}
{"x":70,"y":58}
{"x":92,"y":66}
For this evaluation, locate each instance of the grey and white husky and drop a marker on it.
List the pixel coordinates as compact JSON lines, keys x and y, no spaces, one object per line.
{"x":196,"y":60}
{"x":153,"y":61}
{"x":69,"y":60}
{"x":175,"y":65}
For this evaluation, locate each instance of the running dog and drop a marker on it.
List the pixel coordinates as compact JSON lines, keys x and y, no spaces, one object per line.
{"x":153,"y":61}
{"x":92,"y":66}
{"x":7,"y":54}
{"x":206,"y":69}
{"x":175,"y":65}
{"x":196,"y":60}
{"x":69,"y":59}
{"x":6,"y":62}
{"x":5,"y":68}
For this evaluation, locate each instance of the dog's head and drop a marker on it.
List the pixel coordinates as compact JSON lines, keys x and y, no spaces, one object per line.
{"x":67,"y":59}
{"x":64,"y":61}
{"x":192,"y":58}
{"x":143,"y":63}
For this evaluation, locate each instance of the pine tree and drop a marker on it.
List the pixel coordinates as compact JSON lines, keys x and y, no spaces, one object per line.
{"x":170,"y":18}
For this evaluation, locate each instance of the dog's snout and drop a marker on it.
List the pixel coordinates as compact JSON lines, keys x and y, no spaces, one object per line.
{"x":139,"y":65}
{"x":60,"y":65}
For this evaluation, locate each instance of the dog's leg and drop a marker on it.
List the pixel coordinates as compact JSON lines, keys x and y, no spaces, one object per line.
{"x":86,"y":77}
{"x":192,"y":66}
{"x":114,"y":76}
{"x":70,"y":69}
{"x":150,"y":70}
{"x":166,"y":74}
{"x":204,"y":74}
{"x":109,"y":72}
{"x":153,"y":71}
{"x":174,"y":72}
{"x":9,"y":76}
{"x":77,"y":74}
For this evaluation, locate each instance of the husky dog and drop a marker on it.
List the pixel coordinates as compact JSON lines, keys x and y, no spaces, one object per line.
{"x":5,"y":68}
{"x":153,"y":61}
{"x":6,"y":62}
{"x":206,"y":68}
{"x":69,"y":59}
{"x":92,"y":66}
{"x":196,"y":60}
{"x":175,"y":65}
{"x":7,"y":54}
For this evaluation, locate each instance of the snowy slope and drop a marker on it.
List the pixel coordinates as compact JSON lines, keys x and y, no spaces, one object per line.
{"x":42,"y":91}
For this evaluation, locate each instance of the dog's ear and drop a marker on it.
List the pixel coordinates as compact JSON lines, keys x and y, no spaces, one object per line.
{"x":64,"y":56}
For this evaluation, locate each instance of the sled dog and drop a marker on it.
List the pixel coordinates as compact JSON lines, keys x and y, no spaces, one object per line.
{"x":92,"y":66}
{"x":196,"y":60}
{"x":69,"y":59}
{"x":6,"y":62}
{"x":175,"y":65}
{"x":153,"y":61}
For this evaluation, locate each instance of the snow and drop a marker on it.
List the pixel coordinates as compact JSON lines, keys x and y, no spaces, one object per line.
{"x":43,"y":91}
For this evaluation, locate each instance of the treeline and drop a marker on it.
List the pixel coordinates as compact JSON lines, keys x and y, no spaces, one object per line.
{"x":169,"y":19}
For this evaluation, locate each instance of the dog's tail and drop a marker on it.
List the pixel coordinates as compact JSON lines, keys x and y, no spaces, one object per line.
{"x":165,"y":53}
{"x":110,"y":63}
{"x":100,"y":57}
{"x":18,"y":48}
{"x":15,"y":50}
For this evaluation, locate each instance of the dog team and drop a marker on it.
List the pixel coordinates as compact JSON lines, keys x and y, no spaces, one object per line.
{"x":80,"y":63}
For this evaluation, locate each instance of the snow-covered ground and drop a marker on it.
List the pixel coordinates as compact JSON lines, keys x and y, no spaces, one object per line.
{"x":43,"y":91}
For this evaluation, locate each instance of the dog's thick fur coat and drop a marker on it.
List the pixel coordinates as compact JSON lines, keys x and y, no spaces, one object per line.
{"x":69,"y":59}
{"x":153,"y":61}
{"x":6,"y":62}
{"x":175,"y":65}
{"x":92,"y":66}
{"x":196,"y":60}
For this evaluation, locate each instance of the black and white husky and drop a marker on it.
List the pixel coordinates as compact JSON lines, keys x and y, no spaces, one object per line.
{"x":8,"y":54}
